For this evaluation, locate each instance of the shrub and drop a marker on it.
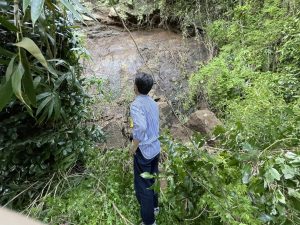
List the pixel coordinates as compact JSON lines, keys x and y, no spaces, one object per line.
{"x":42,"y":99}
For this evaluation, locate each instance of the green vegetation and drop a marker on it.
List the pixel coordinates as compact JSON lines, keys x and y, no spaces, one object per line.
{"x":250,"y":175}
{"x":42,"y":99}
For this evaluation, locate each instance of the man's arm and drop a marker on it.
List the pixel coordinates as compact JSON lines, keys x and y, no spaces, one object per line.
{"x":139,"y":127}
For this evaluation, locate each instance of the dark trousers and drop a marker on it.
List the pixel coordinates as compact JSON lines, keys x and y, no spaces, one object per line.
{"x":147,"y":198}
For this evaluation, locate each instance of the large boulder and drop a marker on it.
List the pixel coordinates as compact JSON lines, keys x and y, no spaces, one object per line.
{"x":203,"y":121}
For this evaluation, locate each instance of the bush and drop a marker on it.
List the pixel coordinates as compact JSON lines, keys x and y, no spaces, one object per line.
{"x":213,"y":186}
{"x":253,"y":82}
{"x":42,"y":100}
{"x":202,"y":186}
{"x":102,"y":194}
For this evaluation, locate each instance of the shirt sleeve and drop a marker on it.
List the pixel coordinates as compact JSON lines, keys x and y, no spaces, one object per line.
{"x":139,"y":123}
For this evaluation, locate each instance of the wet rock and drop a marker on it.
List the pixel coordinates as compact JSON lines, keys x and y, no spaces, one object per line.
{"x":203,"y":121}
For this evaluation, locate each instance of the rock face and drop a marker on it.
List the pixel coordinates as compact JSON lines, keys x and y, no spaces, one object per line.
{"x":114,"y":136}
{"x":166,"y":114}
{"x":180,"y":132}
{"x":203,"y":121}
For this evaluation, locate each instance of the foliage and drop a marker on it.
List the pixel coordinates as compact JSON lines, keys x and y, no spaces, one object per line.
{"x":103,"y":194}
{"x":254,"y":81}
{"x":253,"y":84}
{"x":188,"y":16}
{"x":42,"y":98}
{"x":227,"y":187}
{"x":203,"y":186}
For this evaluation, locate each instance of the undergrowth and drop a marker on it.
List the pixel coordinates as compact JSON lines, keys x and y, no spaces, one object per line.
{"x":201,"y":186}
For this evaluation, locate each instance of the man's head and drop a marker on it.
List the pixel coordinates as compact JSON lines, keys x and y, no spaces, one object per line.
{"x":143,"y":83}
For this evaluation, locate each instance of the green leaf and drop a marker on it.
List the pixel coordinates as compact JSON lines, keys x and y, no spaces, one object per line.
{"x":83,"y":9}
{"x":50,"y":109}
{"x":296,"y":160}
{"x":8,"y":25}
{"x":43,"y":95}
{"x":294,"y":193}
{"x":57,"y":107}
{"x":246,"y":174}
{"x":9,"y":69}
{"x":289,"y":172}
{"x":16,"y":80}
{"x":247,"y":147}
{"x":290,"y":155}
{"x":147,"y":175}
{"x":265,"y":218}
{"x":5,"y":94}
{"x":25,"y":5}
{"x":27,"y":80}
{"x":36,"y":81}
{"x":271,"y":175}
{"x":6,"y":89}
{"x":280,"y":197}
{"x":43,"y":104}
{"x":31,"y":47}
{"x":71,"y":8}
{"x":279,"y":160}
{"x":36,"y":9}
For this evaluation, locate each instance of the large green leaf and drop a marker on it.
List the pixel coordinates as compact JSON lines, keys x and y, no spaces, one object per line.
{"x":8,"y":25}
{"x":271,"y":175}
{"x":71,"y":8}
{"x":31,"y":47}
{"x":9,"y":69}
{"x":43,"y":104}
{"x":27,"y":80}
{"x":36,"y":9}
{"x":16,"y":81}
{"x":5,"y":94}
{"x":25,"y":5}
{"x":83,"y":9}
{"x":294,"y":193}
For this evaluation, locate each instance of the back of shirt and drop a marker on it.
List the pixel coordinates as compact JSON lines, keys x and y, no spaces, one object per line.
{"x":145,"y":115}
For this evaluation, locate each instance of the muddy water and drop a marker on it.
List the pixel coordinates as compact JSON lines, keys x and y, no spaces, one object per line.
{"x":167,"y":55}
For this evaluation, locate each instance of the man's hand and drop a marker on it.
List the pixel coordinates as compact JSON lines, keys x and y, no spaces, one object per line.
{"x":133,"y":147}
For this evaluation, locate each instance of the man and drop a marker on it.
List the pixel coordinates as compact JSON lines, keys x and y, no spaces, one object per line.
{"x":145,"y":146}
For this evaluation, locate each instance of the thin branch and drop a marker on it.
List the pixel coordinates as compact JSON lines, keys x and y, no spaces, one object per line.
{"x":198,"y":215}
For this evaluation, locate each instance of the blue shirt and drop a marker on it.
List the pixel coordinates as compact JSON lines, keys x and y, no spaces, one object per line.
{"x":145,"y":115}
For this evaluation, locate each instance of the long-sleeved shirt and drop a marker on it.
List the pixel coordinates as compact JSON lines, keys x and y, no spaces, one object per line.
{"x":145,"y":115}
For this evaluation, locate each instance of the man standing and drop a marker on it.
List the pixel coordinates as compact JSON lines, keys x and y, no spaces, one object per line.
{"x":145,"y":146}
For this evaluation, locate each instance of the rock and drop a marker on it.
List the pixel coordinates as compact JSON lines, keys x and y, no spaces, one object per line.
{"x":180,"y":132}
{"x":165,"y":113}
{"x":173,"y":79}
{"x":114,"y":136}
{"x":203,"y":121}
{"x":112,"y":13}
{"x":157,"y":96}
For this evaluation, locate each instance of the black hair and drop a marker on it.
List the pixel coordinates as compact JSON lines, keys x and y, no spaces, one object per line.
{"x":143,"y":82}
